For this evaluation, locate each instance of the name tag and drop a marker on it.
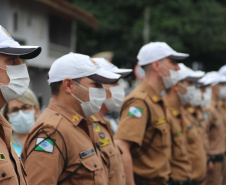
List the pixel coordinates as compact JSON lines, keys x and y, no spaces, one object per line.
{"x":160,"y":121}
{"x":87,"y":153}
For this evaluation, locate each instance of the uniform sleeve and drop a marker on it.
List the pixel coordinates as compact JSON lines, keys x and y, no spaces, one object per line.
{"x":132,"y":123}
{"x":44,"y":162}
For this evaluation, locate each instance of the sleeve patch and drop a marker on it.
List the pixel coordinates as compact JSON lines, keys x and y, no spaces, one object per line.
{"x":44,"y":146}
{"x":135,"y":112}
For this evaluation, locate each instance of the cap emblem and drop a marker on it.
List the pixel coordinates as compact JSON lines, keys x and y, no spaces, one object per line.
{"x":97,"y":66}
{"x":3,"y":29}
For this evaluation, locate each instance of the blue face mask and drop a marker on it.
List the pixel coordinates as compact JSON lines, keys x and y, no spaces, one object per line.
{"x":22,"y":121}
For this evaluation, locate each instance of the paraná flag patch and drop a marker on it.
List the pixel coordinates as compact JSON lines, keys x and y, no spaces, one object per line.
{"x":135,"y":112}
{"x":45,"y":146}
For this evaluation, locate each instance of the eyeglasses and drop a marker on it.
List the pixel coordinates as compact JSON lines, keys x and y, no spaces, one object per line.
{"x":24,"y":107}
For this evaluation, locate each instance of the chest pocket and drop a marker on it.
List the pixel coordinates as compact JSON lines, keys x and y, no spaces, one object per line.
{"x":92,"y":171}
{"x":191,"y":134}
{"x":7,"y":173}
{"x":179,"y":149}
{"x":163,"y":138}
{"x":110,"y":154}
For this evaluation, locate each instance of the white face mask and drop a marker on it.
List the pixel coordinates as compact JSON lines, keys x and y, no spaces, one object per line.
{"x":186,"y":98}
{"x":19,"y":81}
{"x":172,"y":80}
{"x":97,"y":96}
{"x":222,"y":93}
{"x":22,"y":121}
{"x":117,"y":97}
{"x":197,"y":98}
{"x":207,"y":96}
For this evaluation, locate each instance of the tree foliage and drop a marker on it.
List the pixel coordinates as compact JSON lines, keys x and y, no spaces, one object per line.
{"x":192,"y":26}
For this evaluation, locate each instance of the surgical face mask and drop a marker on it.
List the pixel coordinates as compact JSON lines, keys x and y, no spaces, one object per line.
{"x":97,"y":96}
{"x":222,"y":93}
{"x":197,"y":98}
{"x":19,"y":81}
{"x":186,"y":98}
{"x":22,"y":121}
{"x":172,"y":80}
{"x":207,"y":96}
{"x":117,"y":97}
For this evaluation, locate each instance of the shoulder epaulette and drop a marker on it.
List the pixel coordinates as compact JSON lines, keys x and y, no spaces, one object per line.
{"x":53,"y":120}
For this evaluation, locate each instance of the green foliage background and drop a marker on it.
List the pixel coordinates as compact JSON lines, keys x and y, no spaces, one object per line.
{"x":197,"y":27}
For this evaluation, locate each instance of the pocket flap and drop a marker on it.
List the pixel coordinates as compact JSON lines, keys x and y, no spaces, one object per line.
{"x":5,"y":171}
{"x":91,"y":163}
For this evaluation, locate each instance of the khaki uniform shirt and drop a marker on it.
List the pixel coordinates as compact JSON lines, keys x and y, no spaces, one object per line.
{"x":153,"y":164}
{"x":216,"y":130}
{"x":195,"y":145}
{"x":11,"y":168}
{"x":61,"y":143}
{"x":111,"y":151}
{"x":180,"y":162}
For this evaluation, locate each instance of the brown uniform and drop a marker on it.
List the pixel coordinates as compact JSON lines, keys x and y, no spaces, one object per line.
{"x":195,"y":146}
{"x":11,"y":168}
{"x":151,"y":148}
{"x":62,"y":145}
{"x":180,"y":162}
{"x":111,"y":151}
{"x":216,"y":143}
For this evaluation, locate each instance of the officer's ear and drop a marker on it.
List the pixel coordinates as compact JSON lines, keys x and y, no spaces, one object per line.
{"x":68,"y":85}
{"x":156,"y":66}
{"x":176,"y":87}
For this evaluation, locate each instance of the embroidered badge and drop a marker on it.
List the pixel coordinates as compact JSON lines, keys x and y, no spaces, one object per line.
{"x":160,"y":121}
{"x":97,"y":66}
{"x":96,"y":127}
{"x":135,"y":112}
{"x":87,"y":153}
{"x":75,"y":117}
{"x":7,"y":33}
{"x":44,"y":146}
{"x":102,"y":135}
{"x":2,"y":157}
{"x":104,"y":142}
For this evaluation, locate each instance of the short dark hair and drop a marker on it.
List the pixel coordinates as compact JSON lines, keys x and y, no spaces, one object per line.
{"x":55,"y":86}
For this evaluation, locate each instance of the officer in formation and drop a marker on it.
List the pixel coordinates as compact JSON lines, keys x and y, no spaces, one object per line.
{"x":171,"y":129}
{"x":14,"y":82}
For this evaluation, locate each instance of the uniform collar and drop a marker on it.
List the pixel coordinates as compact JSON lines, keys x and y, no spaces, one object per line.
{"x":99,"y":119}
{"x":5,"y":131}
{"x":155,"y":97}
{"x":66,"y":112}
{"x":174,"y":109}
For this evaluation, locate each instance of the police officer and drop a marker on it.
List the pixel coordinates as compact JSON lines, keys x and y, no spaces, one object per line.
{"x":62,"y":147}
{"x":115,"y":95}
{"x":181,"y":168}
{"x":143,"y":133}
{"x":216,"y":131}
{"x":13,"y":83}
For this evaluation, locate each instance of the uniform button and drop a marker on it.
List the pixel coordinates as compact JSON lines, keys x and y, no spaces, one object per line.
{"x":57,"y":114}
{"x":95,"y":165}
{"x":3,"y":174}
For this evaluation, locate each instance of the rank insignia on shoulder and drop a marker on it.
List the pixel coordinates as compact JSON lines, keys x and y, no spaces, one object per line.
{"x":87,"y":153}
{"x":96,"y":127}
{"x":75,"y":118}
{"x":44,"y":145}
{"x":104,"y":142}
{"x":102,"y":135}
{"x":160,"y":121}
{"x":135,"y":112}
{"x":2,"y":157}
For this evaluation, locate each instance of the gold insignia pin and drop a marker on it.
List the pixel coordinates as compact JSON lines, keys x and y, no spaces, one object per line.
{"x":154,"y":98}
{"x":175,"y":113}
{"x":75,"y":117}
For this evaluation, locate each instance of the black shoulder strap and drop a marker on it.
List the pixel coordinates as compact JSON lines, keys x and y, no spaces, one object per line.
{"x":144,"y":148}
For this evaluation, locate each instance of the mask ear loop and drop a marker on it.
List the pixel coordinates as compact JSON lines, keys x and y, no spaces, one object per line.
{"x":80,"y":85}
{"x":3,"y":68}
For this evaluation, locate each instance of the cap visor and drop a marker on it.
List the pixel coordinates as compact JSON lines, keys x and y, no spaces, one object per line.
{"x":179,"y":56}
{"x":193,"y":79}
{"x":25,"y":52}
{"x":104,"y":77}
{"x":123,"y":72}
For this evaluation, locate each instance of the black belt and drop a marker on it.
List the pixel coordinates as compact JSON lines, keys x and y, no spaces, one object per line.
{"x":178,"y":182}
{"x":140,"y":181}
{"x":217,"y":158}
